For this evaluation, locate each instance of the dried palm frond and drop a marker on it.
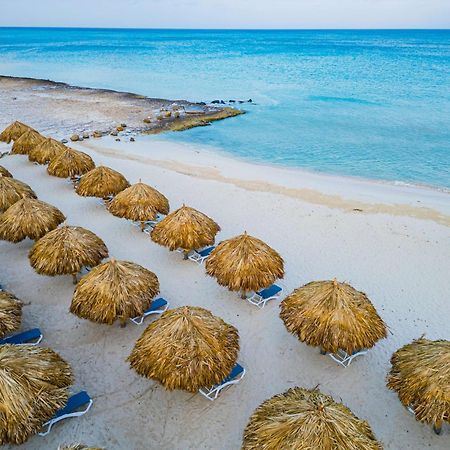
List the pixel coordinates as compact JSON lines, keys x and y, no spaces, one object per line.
{"x":332,"y":315}
{"x":187,"y":348}
{"x":70,"y":163}
{"x":101,"y":182}
{"x":29,"y":140}
{"x":13,"y":190}
{"x":303,"y":419}
{"x":114,"y":290}
{"x":245,"y":263}
{"x":420,"y":375}
{"x":29,"y":218}
{"x":78,"y":447}
{"x":66,"y":250}
{"x":10,"y":313}
{"x":5,"y":172}
{"x":185,"y":228}
{"x":46,"y":151}
{"x":34,"y":384}
{"x":139,"y":202}
{"x":14,"y":131}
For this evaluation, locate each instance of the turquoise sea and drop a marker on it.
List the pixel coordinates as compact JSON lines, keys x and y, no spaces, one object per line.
{"x":373,"y":104}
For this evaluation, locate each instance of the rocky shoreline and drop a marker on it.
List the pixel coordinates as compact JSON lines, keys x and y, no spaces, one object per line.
{"x":67,"y":111}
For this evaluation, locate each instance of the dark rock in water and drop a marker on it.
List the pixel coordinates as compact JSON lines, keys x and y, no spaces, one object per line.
{"x":74,"y":137}
{"x":241,"y":101}
{"x":85,"y":135}
{"x":249,"y":100}
{"x":201,"y":103}
{"x":132,"y":139}
{"x":231,"y":101}
{"x":97,"y":134}
{"x":114,"y":133}
{"x":222,"y":102}
{"x":147,"y":120}
{"x":64,"y":141}
{"x":118,"y":140}
{"x":216,"y":102}
{"x":123,"y":125}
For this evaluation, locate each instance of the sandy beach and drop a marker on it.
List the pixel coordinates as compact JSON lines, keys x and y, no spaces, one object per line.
{"x":391,"y":242}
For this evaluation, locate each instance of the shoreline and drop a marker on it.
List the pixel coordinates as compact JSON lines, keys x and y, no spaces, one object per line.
{"x":350,"y":194}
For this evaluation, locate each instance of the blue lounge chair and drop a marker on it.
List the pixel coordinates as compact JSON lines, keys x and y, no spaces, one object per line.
{"x":157,"y":306}
{"x":235,"y":377}
{"x":344,"y":359}
{"x":32,"y":337}
{"x":72,"y":409}
{"x":201,"y":255}
{"x":260,"y":298}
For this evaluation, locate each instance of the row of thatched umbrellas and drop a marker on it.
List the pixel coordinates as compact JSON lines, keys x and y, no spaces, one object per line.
{"x":204,"y":348}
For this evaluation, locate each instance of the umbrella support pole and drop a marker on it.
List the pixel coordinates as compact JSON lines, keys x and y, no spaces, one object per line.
{"x":437,"y":426}
{"x":185,"y":255}
{"x":123,"y":322}
{"x":142,"y":226}
{"x":74,"y":278}
{"x":244,"y":295}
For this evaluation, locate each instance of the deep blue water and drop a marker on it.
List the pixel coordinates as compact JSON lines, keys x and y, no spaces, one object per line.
{"x":374,"y":104}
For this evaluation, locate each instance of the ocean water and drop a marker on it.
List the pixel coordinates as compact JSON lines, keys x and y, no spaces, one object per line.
{"x":373,"y":104}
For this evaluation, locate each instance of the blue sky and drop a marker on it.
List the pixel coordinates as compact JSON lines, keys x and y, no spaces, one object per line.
{"x":228,"y":13}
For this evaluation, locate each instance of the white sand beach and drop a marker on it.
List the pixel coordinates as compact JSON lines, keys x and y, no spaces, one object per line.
{"x":392,"y":242}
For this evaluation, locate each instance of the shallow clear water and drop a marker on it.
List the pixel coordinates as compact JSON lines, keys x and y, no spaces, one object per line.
{"x":374,"y":104}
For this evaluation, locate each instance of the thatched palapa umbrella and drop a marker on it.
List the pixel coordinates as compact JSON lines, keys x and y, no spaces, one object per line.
{"x":332,"y":315}
{"x":29,"y":218}
{"x":66,"y":250}
{"x":420,"y":375}
{"x":14,"y":131}
{"x":5,"y":172}
{"x":101,"y":182}
{"x":114,"y":290}
{"x":186,"y":348}
{"x":46,"y":151}
{"x":307,"y":419}
{"x":13,"y":190}
{"x":10,"y":313}
{"x":139,"y":202}
{"x":34,"y":384}
{"x":70,"y":163}
{"x":245,"y":263}
{"x":27,"y":142}
{"x":186,"y":229}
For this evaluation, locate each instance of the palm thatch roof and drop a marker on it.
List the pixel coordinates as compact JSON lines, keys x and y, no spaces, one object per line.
{"x":5,"y":172}
{"x":332,"y":315}
{"x":114,"y":290}
{"x":12,"y":190}
{"x":29,"y":218}
{"x":70,"y":163}
{"x":29,"y":140}
{"x":185,"y":228}
{"x":139,"y":202}
{"x":10,"y":313}
{"x":420,"y":375}
{"x":66,"y":250}
{"x":307,"y":419}
{"x":46,"y":151}
{"x":245,"y":263}
{"x":101,"y":182}
{"x":187,"y":348}
{"x":34,"y":384}
{"x":13,"y":131}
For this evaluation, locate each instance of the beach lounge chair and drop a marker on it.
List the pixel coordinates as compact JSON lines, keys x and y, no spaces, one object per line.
{"x":235,"y":377}
{"x":260,"y":298}
{"x":72,"y":409}
{"x":201,"y":255}
{"x":157,"y":306}
{"x":149,"y":224}
{"x":31,"y":337}
{"x":343,"y":358}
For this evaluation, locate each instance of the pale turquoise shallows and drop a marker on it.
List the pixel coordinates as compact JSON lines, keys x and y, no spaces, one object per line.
{"x":373,"y":104}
